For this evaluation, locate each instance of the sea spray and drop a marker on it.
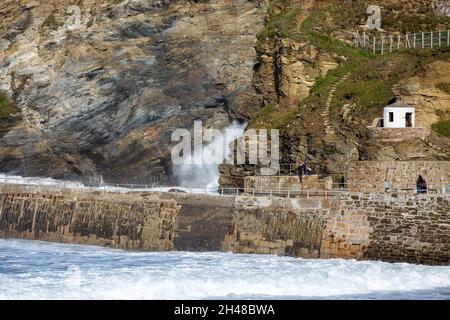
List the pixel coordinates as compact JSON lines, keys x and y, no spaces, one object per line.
{"x":201,"y":167}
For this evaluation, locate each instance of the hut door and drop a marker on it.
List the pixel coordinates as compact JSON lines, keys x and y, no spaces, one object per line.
{"x":408,"y":119}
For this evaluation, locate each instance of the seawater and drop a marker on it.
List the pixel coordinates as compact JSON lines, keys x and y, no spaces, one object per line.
{"x":41,"y":270}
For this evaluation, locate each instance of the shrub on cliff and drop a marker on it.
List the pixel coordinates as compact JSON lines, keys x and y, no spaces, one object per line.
{"x":444,"y":86}
{"x":442,"y":127}
{"x":6,"y":107}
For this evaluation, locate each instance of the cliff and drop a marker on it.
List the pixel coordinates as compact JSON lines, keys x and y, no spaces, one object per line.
{"x":104,"y":97}
{"x":322,"y":93}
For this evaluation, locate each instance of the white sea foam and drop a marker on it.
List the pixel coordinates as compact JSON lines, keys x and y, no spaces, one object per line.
{"x":37,"y":270}
{"x":203,"y":169}
{"x":39,"y":181}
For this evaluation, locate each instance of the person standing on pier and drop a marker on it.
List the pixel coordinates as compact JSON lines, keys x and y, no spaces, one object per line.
{"x":421,"y":185}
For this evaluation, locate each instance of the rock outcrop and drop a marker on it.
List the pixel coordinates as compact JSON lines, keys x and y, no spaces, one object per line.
{"x":101,"y":92}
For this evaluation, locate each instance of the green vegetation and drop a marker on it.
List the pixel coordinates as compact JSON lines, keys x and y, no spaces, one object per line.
{"x":443,"y":86}
{"x":370,"y":87}
{"x":324,"y":43}
{"x":6,"y":107}
{"x":282,"y":22}
{"x":372,"y":77}
{"x":50,"y":22}
{"x":400,"y":15}
{"x":442,"y":127}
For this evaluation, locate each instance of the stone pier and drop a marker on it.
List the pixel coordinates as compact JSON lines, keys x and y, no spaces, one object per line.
{"x":396,"y":227}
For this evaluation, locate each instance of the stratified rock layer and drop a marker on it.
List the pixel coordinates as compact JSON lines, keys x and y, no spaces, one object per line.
{"x":103,"y":97}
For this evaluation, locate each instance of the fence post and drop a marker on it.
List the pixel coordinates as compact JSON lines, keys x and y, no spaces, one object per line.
{"x":431,"y":35}
{"x":448,"y":37}
{"x":415,"y":38}
{"x":440,"y":34}
{"x":364,"y":39}
{"x":423,"y":40}
{"x":399,"y":39}
{"x":391,"y":41}
{"x":382,"y":44}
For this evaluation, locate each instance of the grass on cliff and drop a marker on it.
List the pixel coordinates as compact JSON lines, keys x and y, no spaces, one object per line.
{"x":281,"y":24}
{"x":351,"y":59}
{"x":370,"y":86}
{"x":51,"y":22}
{"x":443,"y":86}
{"x":442,"y":127}
{"x":397,"y":16}
{"x":6,"y":107}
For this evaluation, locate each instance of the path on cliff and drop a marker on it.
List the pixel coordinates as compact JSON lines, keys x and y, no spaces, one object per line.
{"x":330,"y":132}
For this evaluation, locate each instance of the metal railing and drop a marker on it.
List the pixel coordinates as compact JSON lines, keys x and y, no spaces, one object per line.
{"x":284,"y":170}
{"x":73,"y":185}
{"x":337,"y":188}
{"x":385,"y":43}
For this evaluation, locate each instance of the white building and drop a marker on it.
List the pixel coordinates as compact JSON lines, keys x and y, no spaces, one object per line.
{"x":399,"y":115}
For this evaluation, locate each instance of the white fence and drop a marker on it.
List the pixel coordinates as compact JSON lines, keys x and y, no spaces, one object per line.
{"x":385,"y":43}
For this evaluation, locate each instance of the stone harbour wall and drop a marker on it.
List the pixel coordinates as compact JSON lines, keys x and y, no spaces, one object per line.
{"x":405,"y":227}
{"x":294,"y":228}
{"x":387,"y":227}
{"x":395,"y":134}
{"x":122,"y":221}
{"x":369,"y":176}
{"x":265,"y":184}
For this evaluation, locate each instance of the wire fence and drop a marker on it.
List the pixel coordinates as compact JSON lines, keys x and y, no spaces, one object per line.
{"x":386,"y":43}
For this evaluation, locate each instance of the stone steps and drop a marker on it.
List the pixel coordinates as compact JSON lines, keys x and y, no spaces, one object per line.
{"x":330,"y":133}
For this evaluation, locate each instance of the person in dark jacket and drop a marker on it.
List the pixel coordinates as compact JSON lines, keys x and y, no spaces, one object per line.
{"x":421,"y":185}
{"x":301,"y":170}
{"x":307,"y":169}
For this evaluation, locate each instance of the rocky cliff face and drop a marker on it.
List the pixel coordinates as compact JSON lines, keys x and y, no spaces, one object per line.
{"x":322,"y":94}
{"x":104,"y":98}
{"x":101,"y":95}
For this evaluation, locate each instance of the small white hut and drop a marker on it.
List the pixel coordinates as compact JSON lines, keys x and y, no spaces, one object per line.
{"x":399,"y":115}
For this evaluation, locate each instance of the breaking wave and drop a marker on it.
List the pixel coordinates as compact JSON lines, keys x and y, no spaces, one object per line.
{"x":39,"y":270}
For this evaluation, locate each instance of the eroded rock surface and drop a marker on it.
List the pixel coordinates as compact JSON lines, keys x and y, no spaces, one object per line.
{"x":104,"y":98}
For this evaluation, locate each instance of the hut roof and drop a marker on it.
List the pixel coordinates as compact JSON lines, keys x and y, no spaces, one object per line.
{"x":399,"y":105}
